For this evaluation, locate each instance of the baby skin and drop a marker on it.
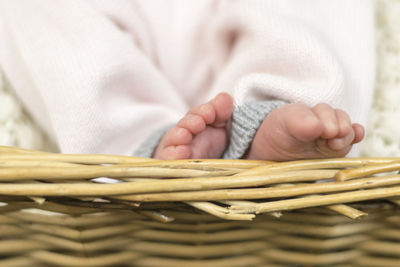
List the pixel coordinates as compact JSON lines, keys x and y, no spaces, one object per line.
{"x":290,"y":132}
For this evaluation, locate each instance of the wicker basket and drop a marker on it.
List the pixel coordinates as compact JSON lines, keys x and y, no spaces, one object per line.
{"x":197,"y":212}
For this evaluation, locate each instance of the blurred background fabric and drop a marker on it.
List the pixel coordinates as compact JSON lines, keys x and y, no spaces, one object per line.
{"x":16,"y":126}
{"x":383,"y":132}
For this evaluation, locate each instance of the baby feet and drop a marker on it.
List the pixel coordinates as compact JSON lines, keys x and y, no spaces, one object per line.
{"x":295,"y":131}
{"x":201,"y":133}
{"x":290,"y":132}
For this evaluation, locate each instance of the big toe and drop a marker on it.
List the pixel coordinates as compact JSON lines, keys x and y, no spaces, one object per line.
{"x":223,"y":105}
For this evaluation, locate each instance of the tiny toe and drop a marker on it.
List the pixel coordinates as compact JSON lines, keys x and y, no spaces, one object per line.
{"x":337,"y":144}
{"x":344,"y":123}
{"x":174,"y":144}
{"x":223,"y":105}
{"x":176,"y":152}
{"x":193,"y":123}
{"x":177,"y":136}
{"x":359,"y":133}
{"x":327,"y":116}
{"x":341,"y":143}
{"x":333,"y":148}
{"x":206,"y":111}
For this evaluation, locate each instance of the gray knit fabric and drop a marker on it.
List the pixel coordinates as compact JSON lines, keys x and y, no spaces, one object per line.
{"x":146,"y":149}
{"x":246,"y":120}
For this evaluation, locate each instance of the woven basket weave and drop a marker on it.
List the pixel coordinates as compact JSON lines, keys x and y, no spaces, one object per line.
{"x":334,"y":212}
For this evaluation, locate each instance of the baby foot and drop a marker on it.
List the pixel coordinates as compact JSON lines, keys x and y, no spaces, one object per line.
{"x":201,"y":133}
{"x":295,"y":131}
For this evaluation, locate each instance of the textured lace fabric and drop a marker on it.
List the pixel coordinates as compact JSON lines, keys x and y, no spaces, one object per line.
{"x":16,"y":126}
{"x":383,"y":131}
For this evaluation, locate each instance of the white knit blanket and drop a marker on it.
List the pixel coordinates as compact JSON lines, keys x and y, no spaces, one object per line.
{"x":383,"y":134}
